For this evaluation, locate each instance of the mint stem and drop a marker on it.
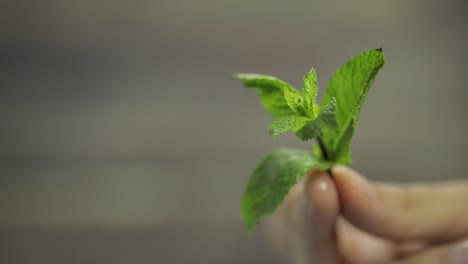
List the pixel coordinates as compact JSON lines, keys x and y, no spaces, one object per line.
{"x":325,"y":154}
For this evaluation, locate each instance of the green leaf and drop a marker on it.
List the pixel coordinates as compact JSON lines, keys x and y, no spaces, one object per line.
{"x":317,"y":152}
{"x":287,"y":123}
{"x":349,"y":86}
{"x":270,"y":91}
{"x":327,"y":116}
{"x":309,"y":91}
{"x":271,"y":181}
{"x":294,"y":100}
{"x":325,"y":121}
{"x":342,"y":154}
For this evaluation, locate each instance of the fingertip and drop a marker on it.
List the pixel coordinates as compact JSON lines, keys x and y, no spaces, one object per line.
{"x":340,"y":169}
{"x":351,"y":185}
{"x":349,"y":178}
{"x":341,"y":172}
{"x":355,"y":194}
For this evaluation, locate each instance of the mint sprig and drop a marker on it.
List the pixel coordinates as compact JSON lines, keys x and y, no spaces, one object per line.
{"x":332,"y":123}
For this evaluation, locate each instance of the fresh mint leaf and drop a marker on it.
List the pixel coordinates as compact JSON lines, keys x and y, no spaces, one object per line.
{"x":294,"y":100}
{"x":325,"y":120}
{"x":309,"y":91}
{"x":287,"y":123}
{"x":304,"y":103}
{"x":293,"y":110}
{"x":271,"y":92}
{"x":342,"y":154}
{"x":271,"y":181}
{"x":349,"y":85}
{"x":327,"y":116}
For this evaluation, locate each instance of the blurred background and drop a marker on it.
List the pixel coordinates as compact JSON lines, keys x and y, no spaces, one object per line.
{"x":125,"y":138}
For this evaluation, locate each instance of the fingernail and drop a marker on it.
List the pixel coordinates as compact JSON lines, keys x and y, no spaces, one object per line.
{"x":459,"y":254}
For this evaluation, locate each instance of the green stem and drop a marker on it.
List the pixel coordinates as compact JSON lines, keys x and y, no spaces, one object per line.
{"x":324,"y":153}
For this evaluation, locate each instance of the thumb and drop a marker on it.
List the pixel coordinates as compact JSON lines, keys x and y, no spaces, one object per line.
{"x":322,"y":208}
{"x":304,"y":226}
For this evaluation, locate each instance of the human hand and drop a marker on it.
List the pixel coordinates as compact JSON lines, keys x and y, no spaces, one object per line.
{"x":351,"y":220}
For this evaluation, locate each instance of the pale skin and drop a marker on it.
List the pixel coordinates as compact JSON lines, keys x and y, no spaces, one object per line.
{"x":350,"y":220}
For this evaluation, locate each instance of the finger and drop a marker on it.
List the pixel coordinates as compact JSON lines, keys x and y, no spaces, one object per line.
{"x":321,"y":209}
{"x":453,"y":253}
{"x":435,"y":212}
{"x":304,"y":224}
{"x":358,"y":246}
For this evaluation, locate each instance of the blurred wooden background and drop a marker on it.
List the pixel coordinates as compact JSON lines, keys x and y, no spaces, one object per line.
{"x":124,"y":137}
